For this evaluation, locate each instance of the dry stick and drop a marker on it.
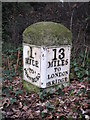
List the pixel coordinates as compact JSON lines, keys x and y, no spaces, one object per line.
{"x":17,"y":60}
{"x":77,"y":42}
{"x":84,"y":45}
{"x":78,"y":35}
{"x":84,"y":57}
{"x":71,"y":20}
{"x":84,"y":33}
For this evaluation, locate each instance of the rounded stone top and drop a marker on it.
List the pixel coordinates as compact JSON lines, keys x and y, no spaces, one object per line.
{"x":48,"y":34}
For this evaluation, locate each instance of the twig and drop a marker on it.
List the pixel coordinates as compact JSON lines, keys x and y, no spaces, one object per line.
{"x":17,"y":60}
{"x":85,"y":33}
{"x":84,"y":57}
{"x":78,"y":35}
{"x":71,"y":20}
{"x":86,"y":46}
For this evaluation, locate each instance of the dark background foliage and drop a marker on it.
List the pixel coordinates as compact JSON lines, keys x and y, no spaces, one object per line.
{"x":74,"y":15}
{"x":17,"y":16}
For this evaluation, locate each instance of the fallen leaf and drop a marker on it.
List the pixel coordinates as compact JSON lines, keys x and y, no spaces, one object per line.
{"x":87,"y":117}
{"x":25,"y":108}
{"x":29,"y":114}
{"x":20,"y":105}
{"x":6,"y":102}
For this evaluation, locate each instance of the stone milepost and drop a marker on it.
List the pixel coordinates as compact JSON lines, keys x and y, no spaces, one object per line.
{"x":58,"y":65}
{"x":46,"y":54}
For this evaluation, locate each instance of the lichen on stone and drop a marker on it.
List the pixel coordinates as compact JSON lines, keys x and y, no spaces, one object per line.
{"x":48,"y":34}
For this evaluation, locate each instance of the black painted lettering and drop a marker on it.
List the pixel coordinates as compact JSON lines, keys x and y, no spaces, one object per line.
{"x":53,"y":82}
{"x":66,"y":79}
{"x":52,"y":76}
{"x":66,"y":61}
{"x":54,"y":50}
{"x":36,"y":64}
{"x":31,"y":62}
{"x":62,"y":55}
{"x":48,"y":84}
{"x":48,"y":76}
{"x":56,"y":74}
{"x":54,"y":63}
{"x":58,"y":63}
{"x":57,"y":69}
{"x":31,"y":52}
{"x":50,"y":64}
{"x":63,"y":62}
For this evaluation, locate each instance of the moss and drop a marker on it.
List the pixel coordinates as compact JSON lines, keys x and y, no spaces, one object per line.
{"x":47,"y":33}
{"x":30,"y":88}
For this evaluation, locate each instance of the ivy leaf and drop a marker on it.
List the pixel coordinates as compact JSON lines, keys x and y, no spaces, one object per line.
{"x":12,"y":100}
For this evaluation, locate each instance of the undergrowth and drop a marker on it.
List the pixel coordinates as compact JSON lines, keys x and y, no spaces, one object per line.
{"x":79,"y":66}
{"x":12,"y":64}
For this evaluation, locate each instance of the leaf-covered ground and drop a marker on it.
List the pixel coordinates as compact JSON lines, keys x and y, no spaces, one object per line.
{"x":67,"y":103}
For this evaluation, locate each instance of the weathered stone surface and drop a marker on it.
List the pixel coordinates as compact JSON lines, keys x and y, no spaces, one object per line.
{"x":29,"y":87}
{"x":32,"y":88}
{"x":47,"y":33}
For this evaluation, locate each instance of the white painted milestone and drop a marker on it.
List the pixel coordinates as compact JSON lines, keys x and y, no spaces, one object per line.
{"x":31,"y":60}
{"x":46,"y":66}
{"x":58,"y":65}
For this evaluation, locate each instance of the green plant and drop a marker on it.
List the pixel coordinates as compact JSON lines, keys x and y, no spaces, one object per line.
{"x":62,"y":118}
{"x":12,"y":62}
{"x":49,"y":107}
{"x":8,"y":74}
{"x":79,"y":65}
{"x":17,"y":92}
{"x":87,"y":18}
{"x":59,"y":92}
{"x":42,"y":114}
{"x":71,"y":93}
{"x":44,"y":94}
{"x":12,"y":100}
